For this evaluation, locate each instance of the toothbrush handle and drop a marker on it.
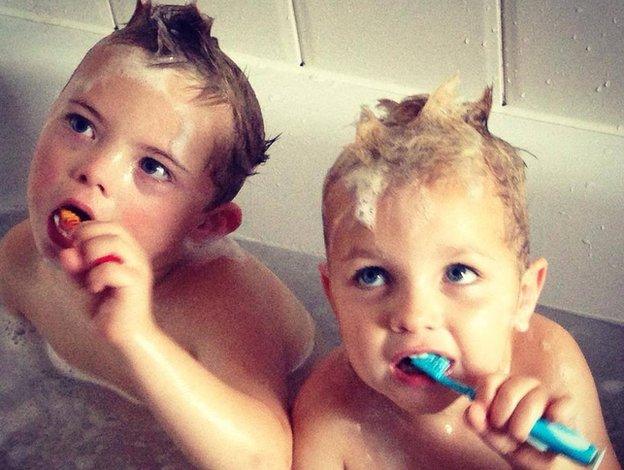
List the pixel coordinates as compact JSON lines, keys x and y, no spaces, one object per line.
{"x":555,"y":437}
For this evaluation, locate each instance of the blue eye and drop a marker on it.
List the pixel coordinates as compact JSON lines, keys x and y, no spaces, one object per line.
{"x":371,"y":276}
{"x":80,"y":125}
{"x":460,"y":274}
{"x":155,"y":169}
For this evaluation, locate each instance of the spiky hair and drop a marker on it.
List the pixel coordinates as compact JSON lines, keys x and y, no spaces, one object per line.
{"x":427,"y":137}
{"x":180,"y":36}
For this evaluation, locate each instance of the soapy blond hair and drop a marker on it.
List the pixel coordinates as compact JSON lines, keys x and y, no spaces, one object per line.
{"x":426,"y":138}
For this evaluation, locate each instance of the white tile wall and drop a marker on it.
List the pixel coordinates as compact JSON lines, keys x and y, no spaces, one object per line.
{"x":261,"y":28}
{"x":84,"y":14}
{"x":413,"y":44}
{"x":566,"y":58}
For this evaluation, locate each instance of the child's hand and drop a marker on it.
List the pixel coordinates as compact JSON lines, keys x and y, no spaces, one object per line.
{"x":504,"y":411}
{"x":109,"y":263}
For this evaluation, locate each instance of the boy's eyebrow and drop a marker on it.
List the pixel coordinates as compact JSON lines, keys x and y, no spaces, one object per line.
{"x":148,"y":148}
{"x":88,"y":107}
{"x":355,"y":252}
{"x":162,"y":153}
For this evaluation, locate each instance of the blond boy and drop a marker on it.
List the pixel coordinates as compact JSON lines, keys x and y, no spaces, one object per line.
{"x":144,"y":148}
{"x":427,"y":251}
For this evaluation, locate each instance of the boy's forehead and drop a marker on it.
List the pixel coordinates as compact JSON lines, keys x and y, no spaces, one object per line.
{"x":121,"y":72}
{"x":404,"y":199}
{"x":106,"y":61}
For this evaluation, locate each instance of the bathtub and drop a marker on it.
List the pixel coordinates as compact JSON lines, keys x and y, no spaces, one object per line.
{"x":49,"y":421}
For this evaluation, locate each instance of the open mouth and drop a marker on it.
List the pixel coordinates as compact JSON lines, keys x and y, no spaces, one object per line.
{"x":405,"y":365}
{"x":63,"y":222}
{"x":425,"y":364}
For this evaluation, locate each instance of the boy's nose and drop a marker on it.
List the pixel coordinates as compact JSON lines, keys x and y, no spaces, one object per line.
{"x":98,"y":170}
{"x":413,"y":312}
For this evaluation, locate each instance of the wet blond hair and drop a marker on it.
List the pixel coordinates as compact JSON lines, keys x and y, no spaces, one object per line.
{"x":179,"y":36}
{"x":426,"y":138}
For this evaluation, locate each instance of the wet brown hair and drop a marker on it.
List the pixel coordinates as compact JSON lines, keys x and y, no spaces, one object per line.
{"x":429,"y":137}
{"x":179,"y":36}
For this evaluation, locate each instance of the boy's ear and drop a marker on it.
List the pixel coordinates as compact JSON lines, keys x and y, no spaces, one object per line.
{"x":218,"y":222}
{"x":530,"y":288}
{"x":324,"y":272}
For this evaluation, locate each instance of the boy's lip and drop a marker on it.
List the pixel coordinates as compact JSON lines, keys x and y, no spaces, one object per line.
{"x":57,"y":236}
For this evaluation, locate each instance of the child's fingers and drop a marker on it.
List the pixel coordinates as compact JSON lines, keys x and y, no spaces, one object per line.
{"x":530,"y":408}
{"x":507,"y":398}
{"x":109,"y":247}
{"x":71,"y":260}
{"x":562,"y":410}
{"x":110,"y":274}
{"x":92,"y":228}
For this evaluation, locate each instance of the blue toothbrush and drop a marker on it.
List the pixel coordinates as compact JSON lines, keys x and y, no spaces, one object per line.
{"x":545,"y":435}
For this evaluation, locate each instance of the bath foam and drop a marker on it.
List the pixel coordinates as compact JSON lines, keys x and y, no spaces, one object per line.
{"x":368,"y":184}
{"x":70,"y":371}
{"x":208,"y":250}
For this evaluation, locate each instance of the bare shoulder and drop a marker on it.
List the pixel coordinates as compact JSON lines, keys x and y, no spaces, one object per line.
{"x":322,"y":418}
{"x":548,"y":351}
{"x":16,"y":249}
{"x":234,"y":311}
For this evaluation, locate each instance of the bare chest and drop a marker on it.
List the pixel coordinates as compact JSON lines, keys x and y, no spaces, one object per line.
{"x":450,"y":445}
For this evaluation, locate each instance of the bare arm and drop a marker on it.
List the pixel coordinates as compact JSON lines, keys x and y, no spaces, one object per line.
{"x":216,"y":425}
{"x":317,"y":424}
{"x":221,"y":413}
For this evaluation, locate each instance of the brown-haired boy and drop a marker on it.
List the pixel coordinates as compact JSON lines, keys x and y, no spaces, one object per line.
{"x":426,"y":235}
{"x":133,"y":173}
